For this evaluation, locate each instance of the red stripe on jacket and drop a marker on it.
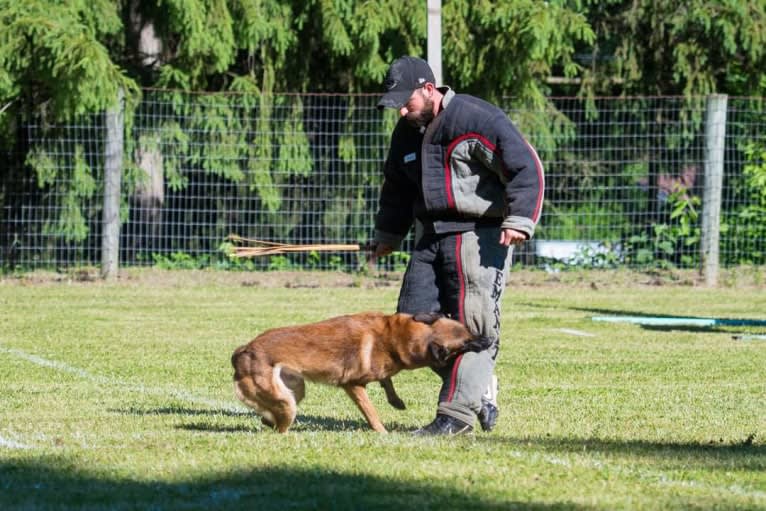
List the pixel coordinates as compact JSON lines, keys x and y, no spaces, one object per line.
{"x":540,"y":179}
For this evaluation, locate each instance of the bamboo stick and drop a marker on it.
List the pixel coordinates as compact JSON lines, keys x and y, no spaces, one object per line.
{"x":262,"y":248}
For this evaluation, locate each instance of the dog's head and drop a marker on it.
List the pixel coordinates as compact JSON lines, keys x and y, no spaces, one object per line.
{"x":449,"y":338}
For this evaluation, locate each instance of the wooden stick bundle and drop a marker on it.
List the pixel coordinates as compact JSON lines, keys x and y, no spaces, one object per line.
{"x":257,"y":248}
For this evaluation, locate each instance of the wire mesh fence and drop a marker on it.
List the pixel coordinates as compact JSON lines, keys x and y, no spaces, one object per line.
{"x":625,"y":182}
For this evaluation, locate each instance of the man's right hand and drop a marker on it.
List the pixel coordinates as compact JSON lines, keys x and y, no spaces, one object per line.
{"x":376,"y":250}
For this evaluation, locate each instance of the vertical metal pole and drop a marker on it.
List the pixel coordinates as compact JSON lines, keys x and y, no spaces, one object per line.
{"x":435,"y":39}
{"x":715,"y":134}
{"x":110,"y":236}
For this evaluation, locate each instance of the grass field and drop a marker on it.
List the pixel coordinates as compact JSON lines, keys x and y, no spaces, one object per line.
{"x":118,"y":396}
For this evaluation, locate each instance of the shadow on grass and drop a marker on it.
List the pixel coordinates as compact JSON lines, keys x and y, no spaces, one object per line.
{"x":744,"y":455}
{"x":302,"y":422}
{"x":173,"y":410}
{"x":60,"y":484}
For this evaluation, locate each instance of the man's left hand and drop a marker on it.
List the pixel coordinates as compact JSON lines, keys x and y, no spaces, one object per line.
{"x":512,"y":237}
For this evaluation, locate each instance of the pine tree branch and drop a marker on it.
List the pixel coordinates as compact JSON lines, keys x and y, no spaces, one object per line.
{"x":7,"y":105}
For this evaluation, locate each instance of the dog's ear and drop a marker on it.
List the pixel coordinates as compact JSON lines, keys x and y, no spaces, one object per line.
{"x":439,"y":353}
{"x":429,"y":318}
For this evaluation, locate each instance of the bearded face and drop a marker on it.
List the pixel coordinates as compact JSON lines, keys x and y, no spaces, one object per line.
{"x":422,"y":117}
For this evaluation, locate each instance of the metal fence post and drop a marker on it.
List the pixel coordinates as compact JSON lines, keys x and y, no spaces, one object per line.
{"x":715,"y":135}
{"x":434,"y":8}
{"x":114,"y":147}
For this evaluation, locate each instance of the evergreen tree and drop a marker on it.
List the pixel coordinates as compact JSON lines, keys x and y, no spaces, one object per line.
{"x":676,"y":47}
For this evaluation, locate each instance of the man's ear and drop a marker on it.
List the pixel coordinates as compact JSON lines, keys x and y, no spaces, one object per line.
{"x":439,"y":353}
{"x":429,"y":318}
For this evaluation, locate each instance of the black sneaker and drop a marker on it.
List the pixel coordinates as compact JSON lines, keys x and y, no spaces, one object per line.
{"x":444,"y":425}
{"x":488,"y":415}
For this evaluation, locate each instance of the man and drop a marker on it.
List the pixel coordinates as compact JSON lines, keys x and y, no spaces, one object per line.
{"x":461,"y":169}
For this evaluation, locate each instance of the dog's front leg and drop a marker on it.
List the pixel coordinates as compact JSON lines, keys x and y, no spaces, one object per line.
{"x":359,"y":395}
{"x":391,"y":395}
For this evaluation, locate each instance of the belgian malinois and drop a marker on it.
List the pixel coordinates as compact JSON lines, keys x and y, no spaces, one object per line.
{"x":347,"y":351}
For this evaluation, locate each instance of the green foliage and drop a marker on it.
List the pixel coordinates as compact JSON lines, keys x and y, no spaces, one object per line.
{"x":396,"y":261}
{"x":214,"y":118}
{"x":673,"y":243}
{"x":280,"y":263}
{"x":175,"y":143}
{"x":294,"y":155}
{"x":65,"y":60}
{"x":594,"y":219}
{"x":44,"y":165}
{"x":71,"y":193}
{"x":52,"y":51}
{"x":497,"y":49}
{"x":178,"y":261}
{"x":745,"y":227}
{"x":755,"y":173}
{"x":689,"y":47}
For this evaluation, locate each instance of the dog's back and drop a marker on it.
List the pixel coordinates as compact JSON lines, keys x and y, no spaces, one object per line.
{"x":333,"y":351}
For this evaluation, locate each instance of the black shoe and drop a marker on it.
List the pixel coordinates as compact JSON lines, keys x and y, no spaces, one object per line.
{"x":444,"y":425}
{"x":488,"y":415}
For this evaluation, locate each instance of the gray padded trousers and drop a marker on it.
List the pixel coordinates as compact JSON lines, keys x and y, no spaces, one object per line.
{"x":463,"y":275}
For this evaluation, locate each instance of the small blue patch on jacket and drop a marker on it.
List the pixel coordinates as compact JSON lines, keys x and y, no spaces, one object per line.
{"x":410,"y":157}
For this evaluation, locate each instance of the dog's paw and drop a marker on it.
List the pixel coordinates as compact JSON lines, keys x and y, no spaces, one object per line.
{"x":397,"y":403}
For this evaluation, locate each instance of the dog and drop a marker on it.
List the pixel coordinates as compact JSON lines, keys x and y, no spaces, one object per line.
{"x":347,"y":351}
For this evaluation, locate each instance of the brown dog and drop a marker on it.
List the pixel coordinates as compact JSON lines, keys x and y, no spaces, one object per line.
{"x":347,"y":351}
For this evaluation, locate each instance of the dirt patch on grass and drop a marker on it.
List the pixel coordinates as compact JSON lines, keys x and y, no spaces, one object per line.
{"x":173,"y":278}
{"x":596,"y":279}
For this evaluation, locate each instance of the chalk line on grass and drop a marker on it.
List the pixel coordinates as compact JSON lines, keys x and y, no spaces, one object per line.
{"x":12,"y":444}
{"x":60,"y":366}
{"x":183,"y":395}
{"x":572,"y":331}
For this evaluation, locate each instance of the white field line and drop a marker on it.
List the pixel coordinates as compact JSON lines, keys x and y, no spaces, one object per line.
{"x":12,"y":444}
{"x":51,"y":363}
{"x":572,"y":331}
{"x":172,"y":392}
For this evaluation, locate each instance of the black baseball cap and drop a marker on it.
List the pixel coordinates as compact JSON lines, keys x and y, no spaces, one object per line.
{"x":404,"y":76}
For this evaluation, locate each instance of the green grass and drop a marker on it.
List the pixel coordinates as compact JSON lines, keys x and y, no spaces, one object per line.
{"x":118,"y":396}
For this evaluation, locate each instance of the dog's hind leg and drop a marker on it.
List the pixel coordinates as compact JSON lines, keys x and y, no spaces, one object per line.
{"x":245,"y":390}
{"x":391,"y":395}
{"x":359,"y":395}
{"x":259,"y":386}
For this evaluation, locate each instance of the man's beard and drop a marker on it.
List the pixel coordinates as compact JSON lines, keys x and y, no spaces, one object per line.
{"x":422,"y":118}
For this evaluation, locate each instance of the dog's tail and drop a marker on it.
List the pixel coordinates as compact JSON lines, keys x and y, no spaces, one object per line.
{"x":238,"y":358}
{"x":243,"y":361}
